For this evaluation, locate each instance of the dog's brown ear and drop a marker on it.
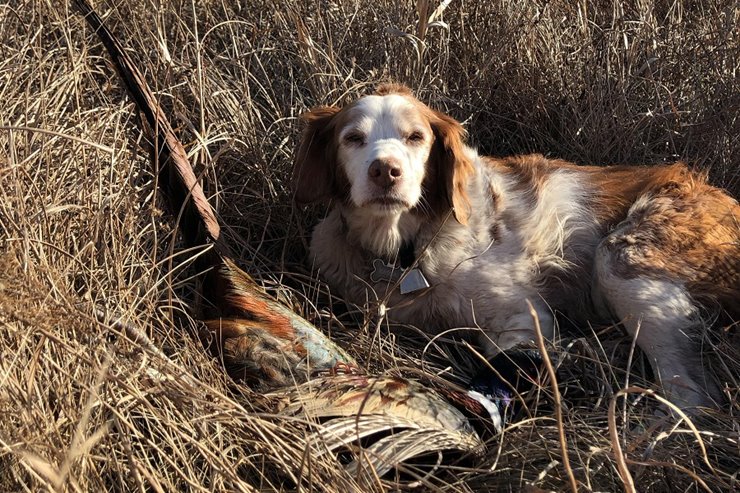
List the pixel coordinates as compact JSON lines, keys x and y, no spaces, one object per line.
{"x":452,"y":168}
{"x":314,"y":167}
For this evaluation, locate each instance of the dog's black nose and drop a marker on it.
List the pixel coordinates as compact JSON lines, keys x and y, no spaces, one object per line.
{"x":384,"y":172}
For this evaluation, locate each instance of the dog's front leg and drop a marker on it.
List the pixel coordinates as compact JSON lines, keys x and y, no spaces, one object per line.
{"x":513,"y":357}
{"x":505,"y":331}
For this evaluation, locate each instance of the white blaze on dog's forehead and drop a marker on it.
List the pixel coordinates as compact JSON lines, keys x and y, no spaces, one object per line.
{"x":384,"y":117}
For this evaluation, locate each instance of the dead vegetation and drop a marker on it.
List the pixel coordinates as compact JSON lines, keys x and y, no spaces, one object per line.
{"x":86,"y":249}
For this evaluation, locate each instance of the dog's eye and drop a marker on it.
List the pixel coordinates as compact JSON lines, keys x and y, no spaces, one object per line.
{"x":415,"y":137}
{"x":354,"y":138}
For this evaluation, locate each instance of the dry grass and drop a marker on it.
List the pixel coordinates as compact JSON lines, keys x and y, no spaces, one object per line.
{"x":85,"y":248}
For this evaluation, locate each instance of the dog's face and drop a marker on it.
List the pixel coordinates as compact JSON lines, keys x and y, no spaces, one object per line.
{"x":383,"y":145}
{"x":385,"y":154}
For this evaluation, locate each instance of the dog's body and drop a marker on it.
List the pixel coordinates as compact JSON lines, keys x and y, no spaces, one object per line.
{"x":655,"y":248}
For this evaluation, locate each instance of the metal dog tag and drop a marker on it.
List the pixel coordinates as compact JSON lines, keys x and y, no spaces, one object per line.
{"x":414,"y":281}
{"x":385,"y":272}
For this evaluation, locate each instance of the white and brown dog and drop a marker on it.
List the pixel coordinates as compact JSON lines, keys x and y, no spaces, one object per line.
{"x":472,"y":238}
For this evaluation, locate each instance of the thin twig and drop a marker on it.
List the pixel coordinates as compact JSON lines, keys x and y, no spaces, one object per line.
{"x":556,"y":397}
{"x":629,"y":484}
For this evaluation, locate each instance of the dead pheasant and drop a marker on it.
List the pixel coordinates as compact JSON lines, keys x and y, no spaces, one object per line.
{"x":263,"y":340}
{"x":275,"y":348}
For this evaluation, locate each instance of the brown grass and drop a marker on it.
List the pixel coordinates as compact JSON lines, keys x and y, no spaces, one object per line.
{"x":85,"y":249}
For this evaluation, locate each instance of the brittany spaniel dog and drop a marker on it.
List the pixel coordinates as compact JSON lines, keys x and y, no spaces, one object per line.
{"x":442,"y":237}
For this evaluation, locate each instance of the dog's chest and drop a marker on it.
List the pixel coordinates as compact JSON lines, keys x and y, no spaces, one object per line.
{"x":435,"y":264}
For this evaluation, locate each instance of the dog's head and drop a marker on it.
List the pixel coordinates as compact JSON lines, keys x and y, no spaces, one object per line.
{"x":386,"y":153}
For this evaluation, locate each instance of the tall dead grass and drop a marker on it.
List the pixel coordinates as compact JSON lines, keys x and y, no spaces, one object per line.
{"x":85,"y":249}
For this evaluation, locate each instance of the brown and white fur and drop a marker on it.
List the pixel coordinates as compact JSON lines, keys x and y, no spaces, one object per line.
{"x":655,"y":248}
